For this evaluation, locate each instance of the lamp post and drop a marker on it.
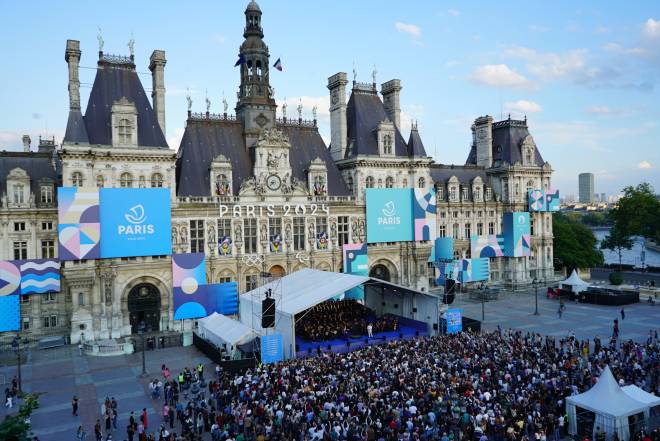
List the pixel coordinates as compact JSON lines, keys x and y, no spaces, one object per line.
{"x":16,"y":344}
{"x":483,"y":302}
{"x":141,"y":330}
{"x":536,"y":296}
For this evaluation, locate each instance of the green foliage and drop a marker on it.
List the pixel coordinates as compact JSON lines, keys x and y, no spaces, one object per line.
{"x":616,"y":278}
{"x":617,"y":240}
{"x":595,"y":219}
{"x":17,"y":427}
{"x":575,"y":246}
{"x":638,"y":212}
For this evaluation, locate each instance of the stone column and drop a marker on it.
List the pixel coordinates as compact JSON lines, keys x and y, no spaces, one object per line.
{"x":157,"y":63}
{"x":72,"y":57}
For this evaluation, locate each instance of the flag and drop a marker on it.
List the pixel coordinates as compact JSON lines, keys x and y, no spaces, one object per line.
{"x":278,"y":65}
{"x":241,"y":60}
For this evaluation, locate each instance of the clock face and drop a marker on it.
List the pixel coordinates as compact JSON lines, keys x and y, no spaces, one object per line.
{"x":273,"y":182}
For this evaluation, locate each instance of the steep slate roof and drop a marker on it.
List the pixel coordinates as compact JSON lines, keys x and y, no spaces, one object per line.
{"x":201,"y":143}
{"x":507,"y":139}
{"x":464,"y":174}
{"x":364,"y":112}
{"x":114,"y":81}
{"x":76,"y":132}
{"x":415,"y":144}
{"x":204,"y":140}
{"x":36,"y":165}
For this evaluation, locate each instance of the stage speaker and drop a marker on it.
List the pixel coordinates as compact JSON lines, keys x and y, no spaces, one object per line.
{"x":450,"y":287}
{"x":435,"y":326}
{"x":414,"y":310}
{"x":268,"y":313}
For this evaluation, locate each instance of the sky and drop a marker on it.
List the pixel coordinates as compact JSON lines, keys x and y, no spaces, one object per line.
{"x":586,"y":74}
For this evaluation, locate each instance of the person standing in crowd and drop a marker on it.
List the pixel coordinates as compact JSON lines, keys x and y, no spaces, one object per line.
{"x":81,"y":435}
{"x":623,"y":314}
{"x":97,"y":430}
{"x":370,"y":330}
{"x":143,"y":418}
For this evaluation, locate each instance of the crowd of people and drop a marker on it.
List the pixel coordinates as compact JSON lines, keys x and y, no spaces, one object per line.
{"x":499,"y":386}
{"x":341,"y":319}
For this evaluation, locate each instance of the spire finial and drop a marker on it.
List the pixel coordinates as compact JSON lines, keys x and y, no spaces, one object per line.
{"x":99,"y":37}
{"x":131,"y":45}
{"x":354,"y":73}
{"x":208,"y":101}
{"x":188,"y":99}
{"x":284,"y":109}
{"x":300,"y":108}
{"x":224,"y":102}
{"x":314,"y":109}
{"x":373,"y":74}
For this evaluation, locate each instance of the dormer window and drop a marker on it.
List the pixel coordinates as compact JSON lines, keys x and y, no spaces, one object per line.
{"x":77,"y":179}
{"x":221,"y":185}
{"x":19,"y":193}
{"x":319,"y":185}
{"x":528,"y":147}
{"x":126,"y":180}
{"x":46,"y":194}
{"x":124,"y":123}
{"x":125,"y":131}
{"x":452,"y":193}
{"x":476,"y":193}
{"x":387,"y":144}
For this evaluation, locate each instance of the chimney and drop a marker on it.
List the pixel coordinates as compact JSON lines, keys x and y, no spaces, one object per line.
{"x":26,"y":143}
{"x":46,"y":145}
{"x":338,"y":131}
{"x":483,"y":136}
{"x":157,"y":63}
{"x":72,"y":57}
{"x":390,"y":92}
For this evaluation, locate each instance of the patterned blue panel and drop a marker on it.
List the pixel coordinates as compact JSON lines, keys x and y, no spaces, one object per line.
{"x":272,"y":350}
{"x":10,"y":313}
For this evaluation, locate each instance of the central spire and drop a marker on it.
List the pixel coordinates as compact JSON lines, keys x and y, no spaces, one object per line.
{"x":256,"y":104}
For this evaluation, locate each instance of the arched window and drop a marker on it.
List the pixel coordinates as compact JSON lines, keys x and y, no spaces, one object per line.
{"x":100,"y":181}
{"x":221,"y":185}
{"x":389,"y":182}
{"x":421,"y":183}
{"x":142,"y":182}
{"x":126,"y":180}
{"x":349,"y":184}
{"x":18,"y":193}
{"x":476,"y":193}
{"x":125,"y":131}
{"x":452,"y":193}
{"x":380,"y":183}
{"x":405,"y":183}
{"x":156,"y":180}
{"x":387,"y":144}
{"x":456,"y":231}
{"x":370,"y":182}
{"x":77,"y":179}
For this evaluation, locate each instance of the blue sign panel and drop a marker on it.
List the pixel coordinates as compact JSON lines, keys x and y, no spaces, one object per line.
{"x":389,"y":215}
{"x":443,"y":250}
{"x":454,"y":320}
{"x":272,"y":350}
{"x":10,"y":313}
{"x":224,"y":297}
{"x":517,"y":241}
{"x":135,"y":222}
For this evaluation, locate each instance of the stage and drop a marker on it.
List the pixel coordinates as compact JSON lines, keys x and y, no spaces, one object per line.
{"x":408,"y":329}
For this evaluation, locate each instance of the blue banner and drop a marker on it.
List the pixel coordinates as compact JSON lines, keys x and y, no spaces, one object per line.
{"x":454,"y":319}
{"x":272,"y":350}
{"x":224,"y":297}
{"x":10,"y":313}
{"x":389,"y":215}
{"x":356,"y":261}
{"x":135,"y":222}
{"x":516,"y":232}
{"x":443,"y":250}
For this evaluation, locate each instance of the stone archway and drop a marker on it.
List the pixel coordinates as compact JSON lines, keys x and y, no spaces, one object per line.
{"x":384,"y":269}
{"x":143,"y":304}
{"x":164,"y":313}
{"x":277,"y":271}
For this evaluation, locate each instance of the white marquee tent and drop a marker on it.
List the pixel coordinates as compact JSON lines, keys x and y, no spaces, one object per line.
{"x":220,"y":329}
{"x":298,"y":291}
{"x":611,"y":405}
{"x":574,"y":283}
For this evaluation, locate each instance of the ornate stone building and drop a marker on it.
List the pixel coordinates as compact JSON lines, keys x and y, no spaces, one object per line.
{"x":256,"y":192}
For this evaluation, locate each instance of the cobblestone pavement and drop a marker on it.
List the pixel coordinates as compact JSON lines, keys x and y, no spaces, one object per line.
{"x":516,"y":310}
{"x":62,"y":373}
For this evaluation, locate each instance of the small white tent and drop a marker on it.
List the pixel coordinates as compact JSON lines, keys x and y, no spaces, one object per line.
{"x":652,"y":401}
{"x":574,"y":283}
{"x":611,"y":405}
{"x":220,"y":329}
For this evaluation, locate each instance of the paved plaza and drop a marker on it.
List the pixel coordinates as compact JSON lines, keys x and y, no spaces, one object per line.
{"x":62,"y":373}
{"x":516,"y":310}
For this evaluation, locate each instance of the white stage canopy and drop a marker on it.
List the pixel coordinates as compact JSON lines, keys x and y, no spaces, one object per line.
{"x":574,"y":283}
{"x":220,"y":329}
{"x":610,"y":403}
{"x":641,"y":395}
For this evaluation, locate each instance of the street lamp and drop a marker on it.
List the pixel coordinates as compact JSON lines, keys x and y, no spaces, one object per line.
{"x":483,"y":302}
{"x":141,"y":330}
{"x":536,"y":296}
{"x":16,"y":344}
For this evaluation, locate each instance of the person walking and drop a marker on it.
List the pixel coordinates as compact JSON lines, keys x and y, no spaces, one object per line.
{"x":615,"y":331}
{"x":623,"y":314}
{"x":81,"y":435}
{"x":74,"y":406}
{"x":97,"y":430}
{"x":143,"y":418}
{"x":559,"y":311}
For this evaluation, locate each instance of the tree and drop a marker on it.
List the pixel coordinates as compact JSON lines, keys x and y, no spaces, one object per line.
{"x":617,"y":241}
{"x":637,"y":213}
{"x":575,"y":246}
{"x":17,"y":427}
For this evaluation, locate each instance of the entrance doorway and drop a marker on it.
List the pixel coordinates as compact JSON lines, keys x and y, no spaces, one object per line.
{"x":380,"y":272}
{"x":144,"y":306}
{"x":277,"y":271}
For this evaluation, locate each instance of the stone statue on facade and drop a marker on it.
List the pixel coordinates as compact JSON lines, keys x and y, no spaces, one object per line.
{"x":264,"y":232}
{"x":273,"y":160}
{"x":175,"y":235}
{"x":188,"y":99}
{"x":131,"y":45}
{"x":224,"y":104}
{"x":238,"y":234}
{"x":300,"y":108}
{"x":314,"y":109}
{"x":284,"y":109}
{"x":287,"y":233}
{"x":208,"y":102}
{"x":211,"y":237}
{"x":99,"y":37}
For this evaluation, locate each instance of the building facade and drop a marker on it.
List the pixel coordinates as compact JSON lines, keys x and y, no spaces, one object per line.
{"x":586,"y":188}
{"x":259,"y":192}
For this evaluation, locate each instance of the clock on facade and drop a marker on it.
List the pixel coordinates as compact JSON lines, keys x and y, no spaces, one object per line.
{"x":273,"y":182}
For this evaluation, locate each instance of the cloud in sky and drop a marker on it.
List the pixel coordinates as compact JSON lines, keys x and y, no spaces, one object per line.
{"x":644,"y":165}
{"x":454,"y":12}
{"x":174,"y":140}
{"x":408,"y":28}
{"x":523,"y":106}
{"x":499,"y":75}
{"x":600,"y":110}
{"x":651,"y":28}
